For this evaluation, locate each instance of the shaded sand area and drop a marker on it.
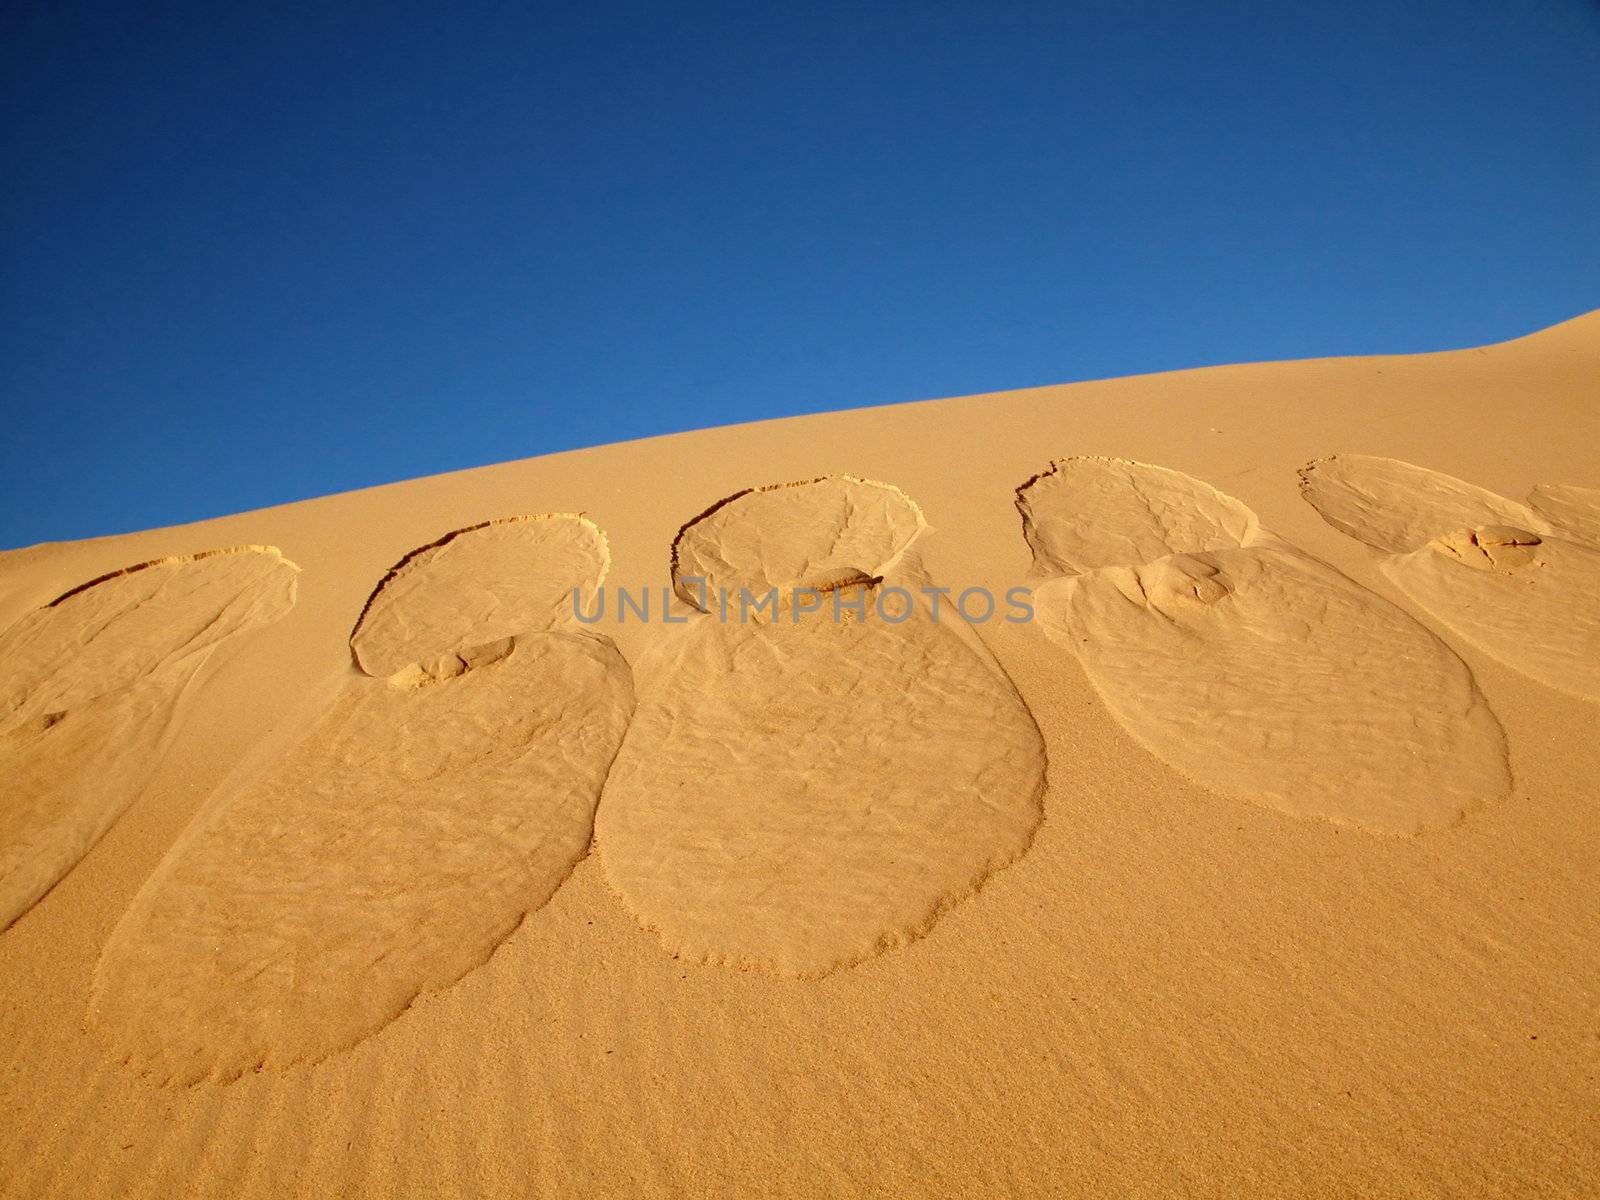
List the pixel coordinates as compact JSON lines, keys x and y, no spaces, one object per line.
{"x":1261,"y":861}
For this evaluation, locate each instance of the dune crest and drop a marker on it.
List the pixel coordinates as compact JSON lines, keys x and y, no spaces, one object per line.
{"x":802,"y":791}
{"x":92,"y":682}
{"x":1520,"y":587}
{"x":1252,"y":668}
{"x":402,"y":839}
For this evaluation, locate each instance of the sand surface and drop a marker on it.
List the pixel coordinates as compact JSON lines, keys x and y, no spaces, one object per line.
{"x":1262,"y":860}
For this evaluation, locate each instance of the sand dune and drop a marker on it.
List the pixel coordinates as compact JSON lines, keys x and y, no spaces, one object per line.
{"x":1574,"y":511}
{"x":348,"y":897}
{"x":802,"y":790}
{"x":404,"y":837}
{"x":1253,"y":668}
{"x":91,"y":689}
{"x":1521,"y":587}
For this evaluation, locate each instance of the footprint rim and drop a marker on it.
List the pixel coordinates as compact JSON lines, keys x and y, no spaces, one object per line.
{"x":1260,"y":541}
{"x":1043,"y":560}
{"x":595,"y":580}
{"x":893,"y":491}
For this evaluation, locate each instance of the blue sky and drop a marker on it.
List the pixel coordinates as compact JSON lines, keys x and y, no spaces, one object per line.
{"x":252,"y":256}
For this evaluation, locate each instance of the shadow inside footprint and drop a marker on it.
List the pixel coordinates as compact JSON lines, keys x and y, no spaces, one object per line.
{"x":1252,"y":668}
{"x":801,"y":790}
{"x":403,"y":838}
{"x":1519,"y":583}
{"x":92,"y":684}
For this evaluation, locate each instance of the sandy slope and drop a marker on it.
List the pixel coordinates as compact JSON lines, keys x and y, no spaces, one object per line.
{"x":1247,"y":950}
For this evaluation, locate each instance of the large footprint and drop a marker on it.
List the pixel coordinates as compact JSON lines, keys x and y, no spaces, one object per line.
{"x":1521,"y":584}
{"x":1248,"y":666}
{"x":443,"y":796}
{"x":802,"y":790}
{"x":92,"y":684}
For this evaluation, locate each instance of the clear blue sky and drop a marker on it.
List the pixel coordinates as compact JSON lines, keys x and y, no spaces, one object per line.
{"x":255,"y":253}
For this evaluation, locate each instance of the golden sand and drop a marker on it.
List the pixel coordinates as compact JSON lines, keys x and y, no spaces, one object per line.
{"x":1261,"y":862}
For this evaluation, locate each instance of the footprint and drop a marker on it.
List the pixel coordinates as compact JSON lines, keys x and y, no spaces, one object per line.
{"x":92,"y":686}
{"x":1522,"y":584}
{"x":442,"y":797}
{"x":1248,"y":666}
{"x":800,"y":790}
